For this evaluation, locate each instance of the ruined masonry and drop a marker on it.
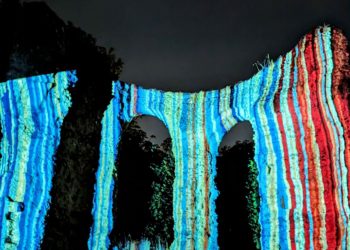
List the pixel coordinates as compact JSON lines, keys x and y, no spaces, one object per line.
{"x":299,"y":109}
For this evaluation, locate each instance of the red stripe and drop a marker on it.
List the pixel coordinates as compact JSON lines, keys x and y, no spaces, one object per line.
{"x":312,"y":79}
{"x":323,"y":139}
{"x":286,"y":155}
{"x":340,"y":90}
{"x":313,"y":188}
{"x":300,"y":156}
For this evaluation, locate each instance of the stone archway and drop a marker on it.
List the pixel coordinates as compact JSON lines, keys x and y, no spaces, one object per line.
{"x":295,"y":106}
{"x":298,"y":107}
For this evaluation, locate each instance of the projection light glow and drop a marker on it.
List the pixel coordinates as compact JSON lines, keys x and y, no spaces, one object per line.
{"x":298,"y":107}
{"x":31,"y":112}
{"x":299,"y":110}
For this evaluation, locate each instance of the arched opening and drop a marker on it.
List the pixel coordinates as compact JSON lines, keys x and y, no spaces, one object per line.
{"x":143,"y":193}
{"x":237,"y":205}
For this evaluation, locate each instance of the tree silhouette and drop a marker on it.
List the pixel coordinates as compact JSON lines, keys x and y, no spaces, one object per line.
{"x":144,"y":190}
{"x":34,"y":40}
{"x":237,"y":205}
{"x":160,"y":229}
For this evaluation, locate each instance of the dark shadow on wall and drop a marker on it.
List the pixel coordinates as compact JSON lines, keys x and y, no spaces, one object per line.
{"x":237,"y":205}
{"x":143,"y":194}
{"x":34,"y":40}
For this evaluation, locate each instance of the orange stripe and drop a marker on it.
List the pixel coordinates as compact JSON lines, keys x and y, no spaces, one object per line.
{"x":340,"y":90}
{"x":300,"y":157}
{"x":313,"y":188}
{"x":286,"y":154}
{"x":206,"y":183}
{"x":325,"y":141}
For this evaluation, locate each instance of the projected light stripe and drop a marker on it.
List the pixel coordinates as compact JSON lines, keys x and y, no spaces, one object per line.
{"x":303,"y":198}
{"x":298,"y":107}
{"x":31,"y":112}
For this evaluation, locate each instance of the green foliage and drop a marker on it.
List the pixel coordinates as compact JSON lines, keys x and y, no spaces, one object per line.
{"x":253,"y":202}
{"x":238,"y":203}
{"x":144,"y":176}
{"x":162,"y":197}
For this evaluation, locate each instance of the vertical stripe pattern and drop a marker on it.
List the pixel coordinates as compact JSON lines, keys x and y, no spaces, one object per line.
{"x":298,"y":107}
{"x":31,"y":112}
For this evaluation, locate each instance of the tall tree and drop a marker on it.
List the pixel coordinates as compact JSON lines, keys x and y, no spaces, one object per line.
{"x":34,"y":40}
{"x":237,"y":205}
{"x":144,"y":190}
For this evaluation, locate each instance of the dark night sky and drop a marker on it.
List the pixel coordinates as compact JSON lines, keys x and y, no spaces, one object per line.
{"x":203,"y":44}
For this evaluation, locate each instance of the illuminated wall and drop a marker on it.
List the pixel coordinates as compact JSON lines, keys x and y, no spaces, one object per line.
{"x":31,"y":112}
{"x":298,"y":107}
